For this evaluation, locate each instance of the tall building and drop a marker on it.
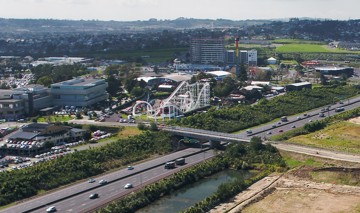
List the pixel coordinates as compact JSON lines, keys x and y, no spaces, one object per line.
{"x":252,"y":57}
{"x":230,"y":57}
{"x":207,"y":50}
{"x":79,"y":92}
{"x":248,"y":57}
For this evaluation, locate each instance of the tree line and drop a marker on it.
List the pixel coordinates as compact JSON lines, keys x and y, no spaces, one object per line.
{"x":240,"y":117}
{"x":27,"y":182}
{"x":236,"y":156}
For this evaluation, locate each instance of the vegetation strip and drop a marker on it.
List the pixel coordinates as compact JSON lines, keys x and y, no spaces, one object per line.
{"x":236,"y":156}
{"x":20,"y":184}
{"x":241,"y":117}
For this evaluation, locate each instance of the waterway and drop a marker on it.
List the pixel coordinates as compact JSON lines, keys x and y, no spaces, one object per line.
{"x":193,"y":193}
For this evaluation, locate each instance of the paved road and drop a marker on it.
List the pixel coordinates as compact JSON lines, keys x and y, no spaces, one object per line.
{"x":81,"y":201}
{"x":317,"y":152}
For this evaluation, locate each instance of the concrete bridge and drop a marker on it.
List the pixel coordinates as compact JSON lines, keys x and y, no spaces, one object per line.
{"x":212,"y":136}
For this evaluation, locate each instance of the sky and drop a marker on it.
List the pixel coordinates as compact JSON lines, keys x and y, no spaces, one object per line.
{"x":132,"y":10}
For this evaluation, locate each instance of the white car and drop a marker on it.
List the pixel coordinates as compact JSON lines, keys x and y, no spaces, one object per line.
{"x":91,"y":180}
{"x":51,"y":209}
{"x":128,"y":186}
{"x":102,"y":182}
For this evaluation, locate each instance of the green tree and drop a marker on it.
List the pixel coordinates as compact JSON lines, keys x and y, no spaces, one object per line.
{"x":137,"y":91}
{"x":114,"y":85}
{"x":45,"y":80}
{"x":242,"y":73}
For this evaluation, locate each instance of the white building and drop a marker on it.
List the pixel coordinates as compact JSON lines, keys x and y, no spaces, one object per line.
{"x":219,"y":75}
{"x":271,"y":60}
{"x":79,"y":92}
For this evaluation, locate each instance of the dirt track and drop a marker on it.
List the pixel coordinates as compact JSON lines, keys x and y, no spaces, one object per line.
{"x":295,"y":193}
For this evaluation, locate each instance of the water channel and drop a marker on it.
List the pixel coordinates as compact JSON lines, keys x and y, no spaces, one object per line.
{"x":193,"y":193}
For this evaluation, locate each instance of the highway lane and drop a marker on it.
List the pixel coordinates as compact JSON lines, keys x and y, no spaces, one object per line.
{"x":317,"y":152}
{"x":83,"y":186}
{"x":111,"y":191}
{"x":299,"y":119}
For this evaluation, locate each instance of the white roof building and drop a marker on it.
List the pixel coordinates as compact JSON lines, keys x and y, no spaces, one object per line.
{"x":219,"y":74}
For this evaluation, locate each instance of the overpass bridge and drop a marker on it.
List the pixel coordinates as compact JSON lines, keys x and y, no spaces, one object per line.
{"x":212,"y":136}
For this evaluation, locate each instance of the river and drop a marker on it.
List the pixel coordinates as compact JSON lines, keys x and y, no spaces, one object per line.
{"x":193,"y":193}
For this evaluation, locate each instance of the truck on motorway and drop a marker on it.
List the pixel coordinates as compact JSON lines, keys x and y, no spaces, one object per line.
{"x":180,"y":161}
{"x":169,"y":165}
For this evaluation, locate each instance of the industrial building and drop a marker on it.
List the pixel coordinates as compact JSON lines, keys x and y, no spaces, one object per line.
{"x":337,"y":71}
{"x":79,"y":92}
{"x":298,"y":86}
{"x":207,"y":50}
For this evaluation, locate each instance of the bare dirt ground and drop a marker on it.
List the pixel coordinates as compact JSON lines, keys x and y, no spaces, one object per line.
{"x":294,"y":192}
{"x":355,"y":120}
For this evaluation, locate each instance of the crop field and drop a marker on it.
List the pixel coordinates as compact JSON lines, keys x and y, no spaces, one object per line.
{"x":343,"y":136}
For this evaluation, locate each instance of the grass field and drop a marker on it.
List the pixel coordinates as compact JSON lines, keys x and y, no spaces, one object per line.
{"x":308,"y":48}
{"x":129,"y":131}
{"x":64,"y":118}
{"x":295,"y":41}
{"x":343,"y":136}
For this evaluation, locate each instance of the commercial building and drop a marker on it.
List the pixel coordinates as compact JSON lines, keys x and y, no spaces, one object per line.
{"x":207,"y":50}
{"x":79,"y":92}
{"x":11,"y":109}
{"x":337,"y":71}
{"x":219,"y":75}
{"x":298,"y":86}
{"x":36,"y":97}
{"x":248,"y":57}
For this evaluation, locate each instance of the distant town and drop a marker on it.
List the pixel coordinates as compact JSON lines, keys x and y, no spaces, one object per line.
{"x":110,"y":94}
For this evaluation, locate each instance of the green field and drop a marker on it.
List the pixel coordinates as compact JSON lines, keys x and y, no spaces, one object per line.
{"x":308,"y":48}
{"x":343,"y":136}
{"x":53,"y":119}
{"x":295,"y":41}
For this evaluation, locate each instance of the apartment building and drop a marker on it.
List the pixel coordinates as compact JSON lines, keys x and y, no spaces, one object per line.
{"x":207,"y":50}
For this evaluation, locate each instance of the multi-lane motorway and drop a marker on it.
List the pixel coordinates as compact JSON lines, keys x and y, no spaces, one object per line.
{"x":76,"y":197}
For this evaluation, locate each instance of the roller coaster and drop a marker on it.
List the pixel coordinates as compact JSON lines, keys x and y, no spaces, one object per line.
{"x":185,"y":98}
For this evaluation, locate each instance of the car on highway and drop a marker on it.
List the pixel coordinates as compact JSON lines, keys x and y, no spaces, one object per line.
{"x":293,"y":126}
{"x":321,"y":114}
{"x":128,"y":186}
{"x":273,"y":126}
{"x":51,"y":209}
{"x":91,"y":180}
{"x":94,"y":196}
{"x":310,"y":121}
{"x":281,"y":130}
{"x":103,"y":182}
{"x":130,"y":168}
{"x":249,"y":131}
{"x":269,"y":133}
{"x":298,"y":118}
{"x":339,"y":109}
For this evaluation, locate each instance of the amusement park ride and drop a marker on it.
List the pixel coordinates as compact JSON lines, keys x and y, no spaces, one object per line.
{"x":185,"y":98}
